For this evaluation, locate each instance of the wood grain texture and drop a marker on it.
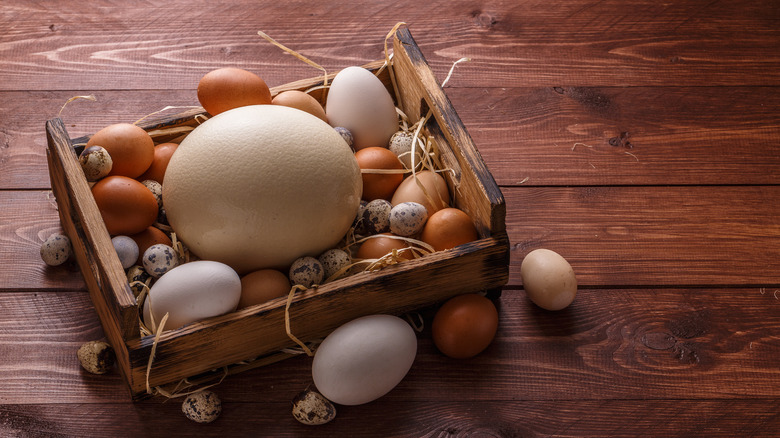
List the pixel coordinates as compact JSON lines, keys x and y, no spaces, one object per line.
{"x":755,"y":418}
{"x":612,"y":344}
{"x":579,"y":43}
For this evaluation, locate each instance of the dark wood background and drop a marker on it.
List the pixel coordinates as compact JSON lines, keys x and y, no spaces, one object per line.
{"x":639,"y":139}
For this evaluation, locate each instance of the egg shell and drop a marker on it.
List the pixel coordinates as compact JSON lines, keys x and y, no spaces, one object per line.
{"x":130,"y":147}
{"x":448,"y":228}
{"x":380,"y":245}
{"x":97,"y":357}
{"x":259,"y":186}
{"x":191,"y":292}
{"x":162,"y":155}
{"x":302,"y":101}
{"x":159,"y":259}
{"x":378,"y":185}
{"x":226,"y":88}
{"x":464,"y":326}
{"x":548,"y":279}
{"x":148,"y":237}
{"x":408,"y":218}
{"x":311,"y":408}
{"x":202,"y":407}
{"x":126,"y":206}
{"x":376,"y":217}
{"x":261,"y":286}
{"x":56,"y":250}
{"x":435,"y":196}
{"x":96,"y":162}
{"x":364,"y":359}
{"x":307,"y":271}
{"x":126,"y":249}
{"x":357,"y":100}
{"x":333,"y":260}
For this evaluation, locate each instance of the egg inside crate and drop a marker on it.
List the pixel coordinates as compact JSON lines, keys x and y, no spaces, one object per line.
{"x":259,"y":186}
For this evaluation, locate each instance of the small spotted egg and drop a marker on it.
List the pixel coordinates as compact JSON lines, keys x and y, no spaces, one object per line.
{"x":56,"y":250}
{"x":307,"y":271}
{"x":162,"y":216}
{"x":159,"y":259}
{"x":97,"y":357}
{"x":408,"y":218}
{"x":334,"y":260}
{"x":401,"y":145}
{"x":202,"y":406}
{"x":345,"y":134}
{"x":96,"y":162}
{"x":126,"y":249}
{"x":358,"y":222}
{"x":135,"y":275}
{"x":376,"y":216}
{"x":312,"y":408}
{"x":155,"y":188}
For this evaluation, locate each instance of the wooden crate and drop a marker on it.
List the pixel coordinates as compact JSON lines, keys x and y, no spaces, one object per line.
{"x":225,"y":343}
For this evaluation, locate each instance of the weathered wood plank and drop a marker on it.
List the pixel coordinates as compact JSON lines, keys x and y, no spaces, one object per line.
{"x":609,"y":345}
{"x":118,"y":46}
{"x":627,"y":236}
{"x":754,"y":418}
{"x":533,"y":136}
{"x":651,"y":235}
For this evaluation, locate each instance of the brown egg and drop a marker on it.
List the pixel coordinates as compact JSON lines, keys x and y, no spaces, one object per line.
{"x":148,"y":237}
{"x":130,"y":147}
{"x":227,"y":88}
{"x":162,"y":155}
{"x":260,"y":286}
{"x":465,"y":325}
{"x":126,"y":205}
{"x":435,"y":197}
{"x":448,"y":228}
{"x":379,"y":246}
{"x":302,"y":101}
{"x":379,"y":185}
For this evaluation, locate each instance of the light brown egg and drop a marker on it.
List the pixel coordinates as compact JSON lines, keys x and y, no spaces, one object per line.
{"x":435,"y":197}
{"x":260,"y":286}
{"x":379,"y":246}
{"x":227,"y":88}
{"x":162,"y":155}
{"x":548,"y":279}
{"x":448,"y":228}
{"x":302,"y":101}
{"x":379,"y":185}
{"x":130,"y":147}
{"x":126,"y":205}
{"x":148,"y":237}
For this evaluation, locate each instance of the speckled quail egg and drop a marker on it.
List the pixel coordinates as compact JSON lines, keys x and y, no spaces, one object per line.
{"x":408,"y":218}
{"x":307,"y":271}
{"x":126,"y":249}
{"x":358,"y":223}
{"x":96,"y":162}
{"x":376,"y":217}
{"x":346,"y":135}
{"x":401,"y":145}
{"x":56,"y":250}
{"x":334,"y":260}
{"x":202,"y":406}
{"x":97,"y":357}
{"x":159,"y":259}
{"x":137,"y":274}
{"x":155,"y":188}
{"x":311,"y":408}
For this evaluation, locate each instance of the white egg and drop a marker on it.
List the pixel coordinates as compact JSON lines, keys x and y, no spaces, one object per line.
{"x":364,"y":359}
{"x":357,"y":100}
{"x":191,"y":292}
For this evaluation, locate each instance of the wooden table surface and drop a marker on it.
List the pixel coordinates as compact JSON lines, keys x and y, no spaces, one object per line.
{"x":639,"y":139}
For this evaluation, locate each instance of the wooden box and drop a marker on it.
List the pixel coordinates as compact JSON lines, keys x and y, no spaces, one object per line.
{"x":255,"y":336}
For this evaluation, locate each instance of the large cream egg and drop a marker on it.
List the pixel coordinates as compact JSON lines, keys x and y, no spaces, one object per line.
{"x":191,"y":292}
{"x":364,"y":359}
{"x":548,"y":279}
{"x":357,"y":100}
{"x":259,"y":186}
